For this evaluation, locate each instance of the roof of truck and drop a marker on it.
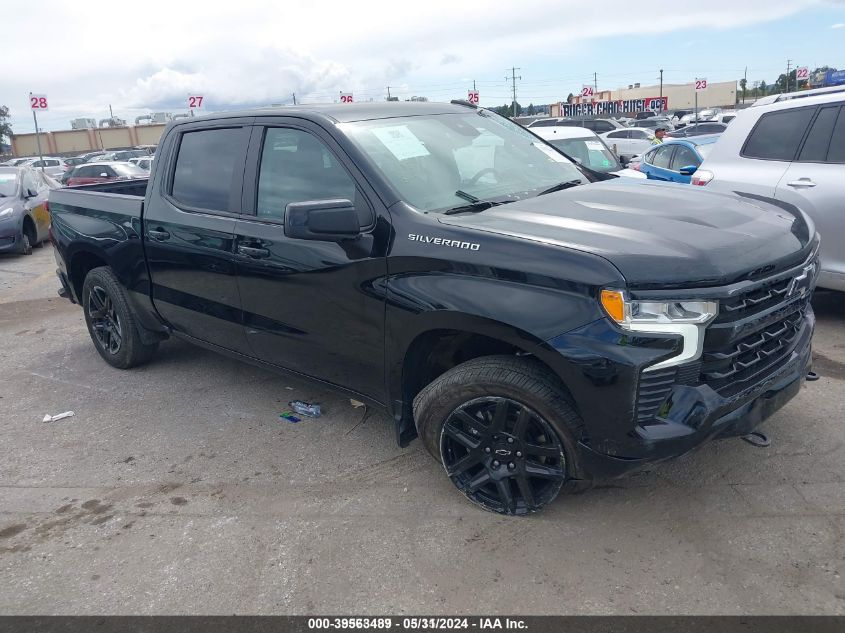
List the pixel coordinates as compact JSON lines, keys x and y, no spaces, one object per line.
{"x":346,"y":112}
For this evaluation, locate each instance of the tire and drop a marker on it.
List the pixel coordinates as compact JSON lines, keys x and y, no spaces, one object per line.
{"x":111,"y":323}
{"x":504,"y":430}
{"x":26,"y":246}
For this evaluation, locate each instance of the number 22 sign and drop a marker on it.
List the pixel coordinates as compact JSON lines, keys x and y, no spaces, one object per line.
{"x":38,"y":102}
{"x":195,"y":102}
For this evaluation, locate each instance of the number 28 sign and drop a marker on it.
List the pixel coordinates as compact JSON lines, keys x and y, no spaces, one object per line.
{"x":346,"y":97}
{"x":195,"y":102}
{"x":38,"y":102}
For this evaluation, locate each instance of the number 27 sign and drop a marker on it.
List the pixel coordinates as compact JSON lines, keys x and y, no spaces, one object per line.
{"x":38,"y":102}
{"x":195,"y":102}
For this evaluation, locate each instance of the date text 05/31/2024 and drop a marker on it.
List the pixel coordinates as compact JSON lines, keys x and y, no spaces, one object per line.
{"x":417,"y":623}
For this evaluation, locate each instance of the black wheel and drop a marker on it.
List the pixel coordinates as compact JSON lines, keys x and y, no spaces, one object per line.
{"x":503,"y":430}
{"x":110,"y":321}
{"x":26,"y":245}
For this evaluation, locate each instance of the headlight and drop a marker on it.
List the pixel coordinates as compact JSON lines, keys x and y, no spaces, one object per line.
{"x":6,"y":212}
{"x":686,"y":318}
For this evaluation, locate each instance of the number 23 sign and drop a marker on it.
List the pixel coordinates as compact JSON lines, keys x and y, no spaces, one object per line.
{"x":195,"y":102}
{"x":700,"y":84}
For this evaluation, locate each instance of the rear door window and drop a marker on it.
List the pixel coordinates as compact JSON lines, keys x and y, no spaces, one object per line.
{"x":684,"y":157}
{"x":836,"y":153}
{"x":206,"y":168}
{"x":819,"y":138}
{"x":778,"y":134}
{"x":662,"y":157}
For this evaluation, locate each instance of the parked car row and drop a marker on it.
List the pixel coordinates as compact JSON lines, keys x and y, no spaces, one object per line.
{"x":24,"y":218}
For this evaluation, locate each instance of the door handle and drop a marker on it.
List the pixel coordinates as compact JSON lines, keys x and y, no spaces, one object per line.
{"x":253,"y":252}
{"x":158,"y":234}
{"x":801,"y":182}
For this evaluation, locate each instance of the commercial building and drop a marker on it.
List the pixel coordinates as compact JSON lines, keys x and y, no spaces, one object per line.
{"x":86,"y":140}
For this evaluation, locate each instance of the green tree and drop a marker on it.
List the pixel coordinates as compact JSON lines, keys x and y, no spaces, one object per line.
{"x":518,"y":109}
{"x":570,"y":98}
{"x":743,"y":84}
{"x":531,"y":111}
{"x":764,"y":89}
{"x":5,"y":126}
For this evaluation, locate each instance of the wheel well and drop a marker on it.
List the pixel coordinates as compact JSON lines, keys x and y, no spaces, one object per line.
{"x":434,"y":353}
{"x":80,"y":266}
{"x":29,"y":229}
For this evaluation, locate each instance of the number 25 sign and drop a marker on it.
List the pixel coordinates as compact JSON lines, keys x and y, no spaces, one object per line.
{"x":195,"y":102}
{"x":472,"y":96}
{"x":38,"y":102}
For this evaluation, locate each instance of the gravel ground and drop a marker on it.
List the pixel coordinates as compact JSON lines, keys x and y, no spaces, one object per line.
{"x":176,"y":489}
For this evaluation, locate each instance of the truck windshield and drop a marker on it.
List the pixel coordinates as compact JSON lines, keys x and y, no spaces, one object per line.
{"x":437,"y":162}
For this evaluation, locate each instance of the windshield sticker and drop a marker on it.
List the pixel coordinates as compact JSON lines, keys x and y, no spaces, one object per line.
{"x":400,"y":141}
{"x":548,"y":151}
{"x":595,"y":145}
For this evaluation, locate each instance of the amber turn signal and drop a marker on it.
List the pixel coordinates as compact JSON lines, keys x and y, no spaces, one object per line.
{"x":614,"y":304}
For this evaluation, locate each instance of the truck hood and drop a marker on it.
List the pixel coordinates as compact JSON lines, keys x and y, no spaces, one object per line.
{"x":655,"y":233}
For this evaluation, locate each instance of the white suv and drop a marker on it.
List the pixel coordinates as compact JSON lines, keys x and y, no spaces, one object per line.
{"x":790,"y":147}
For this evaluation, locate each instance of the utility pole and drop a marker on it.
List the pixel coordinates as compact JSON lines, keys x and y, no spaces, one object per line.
{"x":661,"y":87}
{"x":513,"y":79}
{"x":744,"y":83}
{"x":473,"y":85}
{"x":111,"y":114}
{"x":37,"y":138}
{"x":293,"y":94}
{"x":388,"y":93}
{"x":596,"y":84}
{"x":786,"y":80}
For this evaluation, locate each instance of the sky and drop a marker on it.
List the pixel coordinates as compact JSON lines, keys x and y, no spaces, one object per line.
{"x":149,"y":56}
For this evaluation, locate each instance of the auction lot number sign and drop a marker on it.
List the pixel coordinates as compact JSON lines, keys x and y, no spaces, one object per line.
{"x":346,"y":97}
{"x":38,"y":103}
{"x":802,"y":74}
{"x":700,"y":84}
{"x":195,"y":102}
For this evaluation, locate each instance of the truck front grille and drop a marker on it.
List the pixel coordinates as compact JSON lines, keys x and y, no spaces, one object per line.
{"x":732,"y":365}
{"x":753,"y":301}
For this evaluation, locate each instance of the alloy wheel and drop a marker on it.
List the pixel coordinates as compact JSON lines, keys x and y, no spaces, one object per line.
{"x":503,"y":455}
{"x":104,"y":320}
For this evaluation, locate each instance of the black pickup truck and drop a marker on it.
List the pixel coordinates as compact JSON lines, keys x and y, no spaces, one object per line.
{"x":538,"y":328}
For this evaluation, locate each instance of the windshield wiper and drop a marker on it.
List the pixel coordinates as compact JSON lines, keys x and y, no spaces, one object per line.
{"x":475,"y":204}
{"x":560,"y":187}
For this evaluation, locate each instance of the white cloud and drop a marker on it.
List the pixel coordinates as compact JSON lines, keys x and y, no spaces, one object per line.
{"x":260,"y":51}
{"x":838,"y":25}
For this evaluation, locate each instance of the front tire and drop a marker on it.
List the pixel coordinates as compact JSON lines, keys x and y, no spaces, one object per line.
{"x":26,"y":246}
{"x":111,"y":323}
{"x":504,"y":430}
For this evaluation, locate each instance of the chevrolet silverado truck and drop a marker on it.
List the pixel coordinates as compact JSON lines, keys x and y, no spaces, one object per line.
{"x":538,"y":328}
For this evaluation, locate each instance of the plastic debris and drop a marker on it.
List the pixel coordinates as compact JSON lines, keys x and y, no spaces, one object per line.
{"x":356,"y":403}
{"x":290,"y":417}
{"x":306,"y":408}
{"x":58,"y":416}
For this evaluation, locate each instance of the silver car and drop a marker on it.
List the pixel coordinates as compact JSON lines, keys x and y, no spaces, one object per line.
{"x":630,"y":142}
{"x":53,"y":167}
{"x":790,"y":147}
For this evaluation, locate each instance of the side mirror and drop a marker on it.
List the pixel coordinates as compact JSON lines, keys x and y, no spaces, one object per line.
{"x":29,"y":193}
{"x":323,"y":220}
{"x":689,"y":170}
{"x":624,"y":160}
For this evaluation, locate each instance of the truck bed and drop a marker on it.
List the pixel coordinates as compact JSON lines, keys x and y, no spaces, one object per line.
{"x":122,"y":197}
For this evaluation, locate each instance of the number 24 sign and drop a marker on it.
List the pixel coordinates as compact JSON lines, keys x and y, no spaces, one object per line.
{"x":38,"y":102}
{"x":587,"y":92}
{"x":195,"y":102}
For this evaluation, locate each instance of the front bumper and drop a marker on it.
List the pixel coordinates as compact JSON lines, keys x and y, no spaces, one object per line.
{"x":698,"y":414}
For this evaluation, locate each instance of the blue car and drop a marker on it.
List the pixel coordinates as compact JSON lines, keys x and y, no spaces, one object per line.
{"x":676,"y":160}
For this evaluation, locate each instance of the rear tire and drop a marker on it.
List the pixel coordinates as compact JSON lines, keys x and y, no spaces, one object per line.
{"x":504,"y":430}
{"x":111,"y":323}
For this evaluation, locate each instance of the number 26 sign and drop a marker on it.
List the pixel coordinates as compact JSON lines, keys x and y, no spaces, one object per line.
{"x":38,"y":102}
{"x":195,"y":102}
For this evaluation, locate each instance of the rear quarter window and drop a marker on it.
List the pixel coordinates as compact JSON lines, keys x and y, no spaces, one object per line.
{"x":776,"y":135}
